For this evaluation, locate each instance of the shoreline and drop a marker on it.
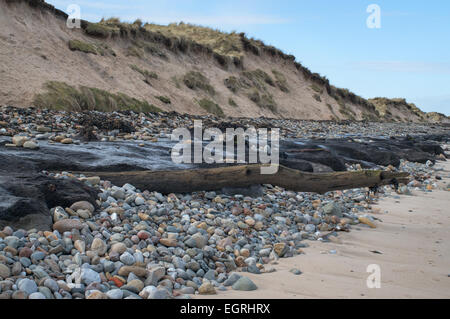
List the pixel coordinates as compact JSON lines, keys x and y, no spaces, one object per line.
{"x":413,"y":240}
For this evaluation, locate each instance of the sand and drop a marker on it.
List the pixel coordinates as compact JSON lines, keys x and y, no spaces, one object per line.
{"x":413,"y":237}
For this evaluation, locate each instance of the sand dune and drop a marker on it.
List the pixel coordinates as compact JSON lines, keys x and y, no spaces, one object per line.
{"x":414,"y":240}
{"x":34,"y":46}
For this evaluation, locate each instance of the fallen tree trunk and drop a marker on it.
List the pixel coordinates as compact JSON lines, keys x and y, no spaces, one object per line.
{"x":184,"y":181}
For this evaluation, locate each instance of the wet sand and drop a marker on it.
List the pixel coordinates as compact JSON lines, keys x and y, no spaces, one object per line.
{"x":413,"y":239}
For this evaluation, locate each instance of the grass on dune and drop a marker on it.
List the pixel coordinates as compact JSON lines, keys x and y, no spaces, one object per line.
{"x":77,"y":45}
{"x":197,"y":81}
{"x":211,"y":107}
{"x":61,"y":96}
{"x":228,"y":44}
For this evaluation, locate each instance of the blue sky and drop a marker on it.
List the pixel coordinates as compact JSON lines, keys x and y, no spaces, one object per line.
{"x":409,"y":56}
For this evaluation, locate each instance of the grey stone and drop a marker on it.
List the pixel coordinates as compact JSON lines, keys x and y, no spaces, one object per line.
{"x":210,"y":275}
{"x":253,"y":269}
{"x":46,"y":292}
{"x":232,"y":278}
{"x":36,"y":295}
{"x":295,"y":271}
{"x":116,"y":237}
{"x":159,"y":294}
{"x":16,"y":268}
{"x":89,"y":276}
{"x":333,"y":208}
{"x":139,"y":201}
{"x":51,"y":284}
{"x":193,"y":265}
{"x":128,"y":259}
{"x":115,"y":294}
{"x":244,"y":284}
{"x":154,"y":276}
{"x":310,"y":228}
{"x":118,"y":194}
{"x":4,"y":271}
{"x":40,"y":272}
{"x":84,"y":205}
{"x":265,"y":252}
{"x":12,"y":241}
{"x":108,"y":266}
{"x":187,"y":291}
{"x":200,"y":273}
{"x":27,"y":285}
{"x":25,"y":261}
{"x":196,"y":241}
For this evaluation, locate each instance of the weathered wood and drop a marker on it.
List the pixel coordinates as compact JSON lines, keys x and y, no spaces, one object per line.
{"x":183,"y":181}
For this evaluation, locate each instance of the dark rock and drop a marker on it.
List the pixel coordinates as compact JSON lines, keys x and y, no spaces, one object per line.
{"x":298,"y":164}
{"x":25,"y":199}
{"x":334,"y":152}
{"x":296,"y":155}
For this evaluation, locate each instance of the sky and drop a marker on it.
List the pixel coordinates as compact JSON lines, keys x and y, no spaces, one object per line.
{"x":408,"y":56}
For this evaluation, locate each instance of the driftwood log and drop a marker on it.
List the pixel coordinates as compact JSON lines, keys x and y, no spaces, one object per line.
{"x":212,"y":179}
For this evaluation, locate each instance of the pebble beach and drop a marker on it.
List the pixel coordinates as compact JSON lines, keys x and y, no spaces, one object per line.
{"x":140,"y":244}
{"x":410,"y":244}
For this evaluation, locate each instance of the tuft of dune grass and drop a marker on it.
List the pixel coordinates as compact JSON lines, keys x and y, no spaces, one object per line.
{"x":62,"y":96}
{"x":211,"y":107}
{"x":77,"y":45}
{"x":197,"y":81}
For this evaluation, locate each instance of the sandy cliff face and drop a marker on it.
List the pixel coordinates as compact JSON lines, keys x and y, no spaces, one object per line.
{"x":399,"y":110}
{"x":170,"y":68}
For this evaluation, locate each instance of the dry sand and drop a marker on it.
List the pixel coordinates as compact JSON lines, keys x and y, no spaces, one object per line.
{"x":413,"y":237}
